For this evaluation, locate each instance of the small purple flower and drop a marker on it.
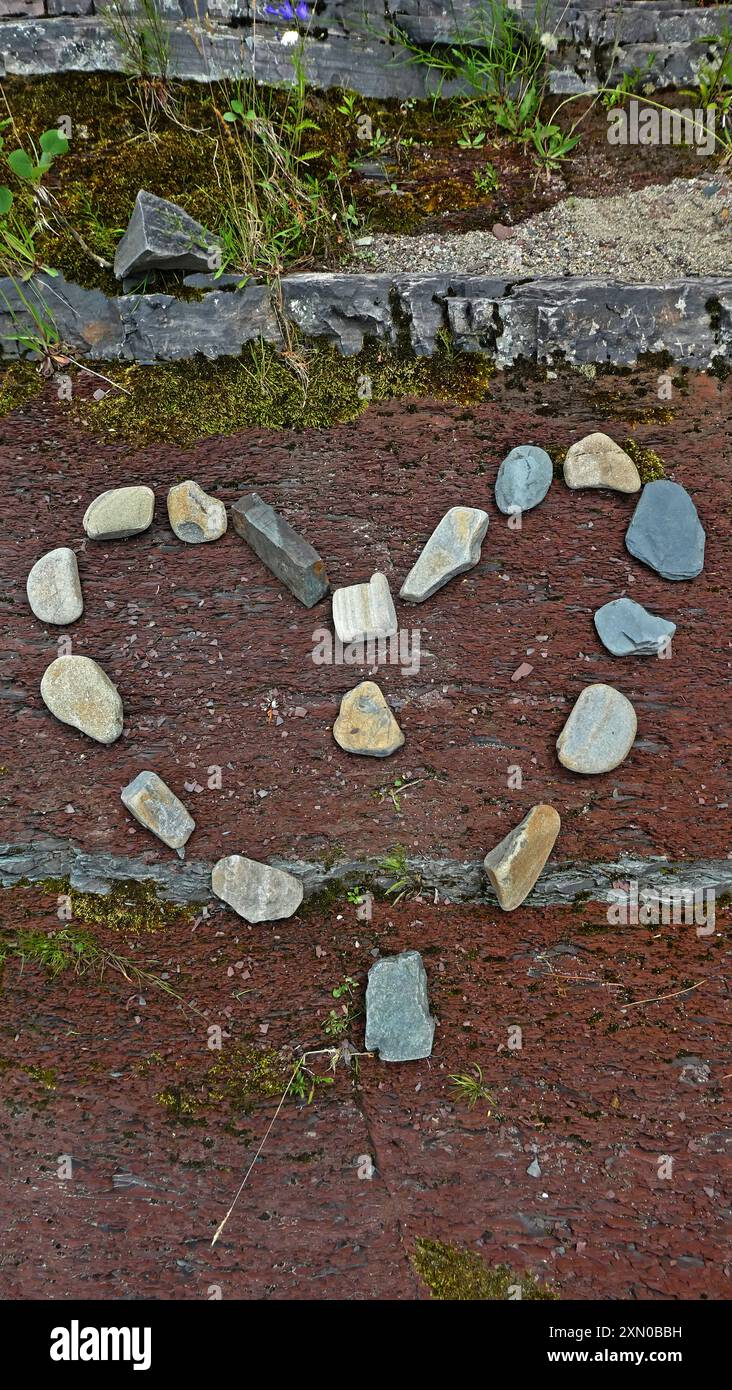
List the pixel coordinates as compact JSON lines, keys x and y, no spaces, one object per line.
{"x":288,"y":11}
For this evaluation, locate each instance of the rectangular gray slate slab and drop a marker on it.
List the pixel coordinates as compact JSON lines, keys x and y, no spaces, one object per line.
{"x":398,"y":1021}
{"x":284,"y":551}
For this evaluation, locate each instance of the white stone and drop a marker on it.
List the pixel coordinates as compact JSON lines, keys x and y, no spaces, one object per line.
{"x":364,"y":611}
{"x":257,"y":892}
{"x":119,"y":512}
{"x":453,"y":548}
{"x":194,"y":516}
{"x":54,"y":589}
{"x":600,"y":731}
{"x":78,"y":692}
{"x":597,"y":461}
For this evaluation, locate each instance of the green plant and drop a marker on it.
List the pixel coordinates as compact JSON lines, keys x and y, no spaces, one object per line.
{"x":355,"y":895}
{"x":143,"y":38}
{"x":339,"y":1020}
{"x":630,"y":83}
{"x":469,"y":1087}
{"x":23,"y":212}
{"x":395,"y":866}
{"x":551,"y":145}
{"x":485,"y":179}
{"x":466,"y":141}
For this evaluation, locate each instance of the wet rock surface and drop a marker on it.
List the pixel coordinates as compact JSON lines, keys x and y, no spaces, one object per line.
{"x":54,"y":589}
{"x":665,"y":531}
{"x":453,"y":548}
{"x":399,"y":1025}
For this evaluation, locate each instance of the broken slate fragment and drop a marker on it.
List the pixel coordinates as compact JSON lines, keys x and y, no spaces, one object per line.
{"x":119,"y":512}
{"x":524,"y":479}
{"x":257,"y":892}
{"x":453,"y":547}
{"x":194,"y":516}
{"x":597,"y":461}
{"x":366,"y":724}
{"x":282,"y":549}
{"x":626,"y":628}
{"x":53,"y":587}
{"x":600,"y":731}
{"x":78,"y":692}
{"x":399,"y":1025}
{"x":665,"y":531}
{"x":516,"y":863}
{"x":157,"y":808}
{"x":362,"y":612}
{"x":161,"y":236}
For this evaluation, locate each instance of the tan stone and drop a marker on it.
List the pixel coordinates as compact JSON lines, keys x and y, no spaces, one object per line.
{"x":597,"y":461}
{"x":193,"y":515}
{"x":78,"y":692}
{"x":516,"y":863}
{"x":149,"y":799}
{"x":119,"y":512}
{"x":257,"y":892}
{"x":366,"y":724}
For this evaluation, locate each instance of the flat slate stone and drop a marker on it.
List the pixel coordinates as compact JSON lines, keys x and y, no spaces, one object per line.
{"x":597,"y":461}
{"x":257,"y":892}
{"x":119,"y":512}
{"x":193,"y":515}
{"x":399,"y":1025}
{"x":600,"y":731}
{"x":161,"y":236}
{"x":152,"y":803}
{"x":524,"y":479}
{"x":78,"y":692}
{"x":665,"y":531}
{"x":453,"y":547}
{"x":516,"y":863}
{"x":627,"y":628}
{"x":362,"y":612}
{"x":54,"y":589}
{"x":282,"y":549}
{"x":366,"y":724}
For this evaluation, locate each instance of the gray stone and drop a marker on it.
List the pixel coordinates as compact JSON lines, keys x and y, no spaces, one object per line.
{"x":366,"y":724}
{"x":453,"y":548}
{"x":78,"y":692}
{"x":194,"y":516}
{"x":157,"y":808}
{"x":515,"y":864}
{"x":628,"y":629}
{"x":161,"y":328}
{"x":665,"y":531}
{"x":600,"y":731}
{"x":524,"y":479}
{"x":344,"y":309}
{"x":257,"y":892}
{"x":282,"y":549}
{"x":161,"y":236}
{"x":119,"y":512}
{"x":53,"y":587}
{"x":362,"y":612}
{"x":399,"y":1025}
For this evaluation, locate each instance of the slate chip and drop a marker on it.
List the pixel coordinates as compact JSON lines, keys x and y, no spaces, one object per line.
{"x":161,"y":236}
{"x":282,"y":549}
{"x":627,"y":628}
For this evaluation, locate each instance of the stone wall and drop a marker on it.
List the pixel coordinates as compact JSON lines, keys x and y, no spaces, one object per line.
{"x":350,"y":42}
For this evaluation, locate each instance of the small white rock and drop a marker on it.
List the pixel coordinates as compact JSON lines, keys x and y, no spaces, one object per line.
{"x":364,"y":611}
{"x":119,"y":512}
{"x":54,"y":589}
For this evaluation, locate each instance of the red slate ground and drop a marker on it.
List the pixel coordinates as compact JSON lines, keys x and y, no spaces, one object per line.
{"x":200,"y":640}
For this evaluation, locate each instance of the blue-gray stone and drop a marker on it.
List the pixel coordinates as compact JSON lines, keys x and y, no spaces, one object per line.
{"x":284,"y":551}
{"x":665,"y":531}
{"x":161,"y":236}
{"x":524,"y":479}
{"x":399,"y":1025}
{"x":628,"y":629}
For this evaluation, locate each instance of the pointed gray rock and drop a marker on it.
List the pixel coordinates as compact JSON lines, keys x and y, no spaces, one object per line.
{"x":524,"y":479}
{"x":53,"y":587}
{"x":665,"y":531}
{"x":257,"y":892}
{"x":154,"y":806}
{"x":453,"y":547}
{"x":282,"y":549}
{"x":161,"y":236}
{"x":628,"y":629}
{"x":399,"y":1025}
{"x":362,"y":612}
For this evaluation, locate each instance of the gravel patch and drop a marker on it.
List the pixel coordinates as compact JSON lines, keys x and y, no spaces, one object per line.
{"x":653,"y":234}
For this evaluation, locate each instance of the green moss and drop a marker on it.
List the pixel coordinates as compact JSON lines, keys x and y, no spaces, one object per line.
{"x":179,"y":1102}
{"x":129,"y":906}
{"x":187,"y":401}
{"x":44,"y":1076}
{"x":455,"y":1274}
{"x":243,"y":1075}
{"x":647,"y":461}
{"x":20,"y":382}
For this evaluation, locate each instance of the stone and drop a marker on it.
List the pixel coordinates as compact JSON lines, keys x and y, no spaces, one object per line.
{"x":453,"y":547}
{"x":364,"y":611}
{"x":119,"y":512}
{"x":600,"y":731}
{"x":366,"y":724}
{"x":282,"y":549}
{"x":524,"y":479}
{"x":54,"y":589}
{"x":78,"y":692}
{"x":597,"y":461}
{"x":194,"y":516}
{"x":516,"y":863}
{"x":157,"y":808}
{"x":161,"y":236}
{"x":665,"y":531}
{"x":628,"y":629}
{"x":399,"y":1025}
{"x":257,"y":892}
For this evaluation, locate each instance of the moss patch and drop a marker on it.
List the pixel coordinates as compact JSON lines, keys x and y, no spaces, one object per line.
{"x":647,"y":461}
{"x":186,"y":401}
{"x":455,"y":1274}
{"x":20,"y":382}
{"x":129,"y":906}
